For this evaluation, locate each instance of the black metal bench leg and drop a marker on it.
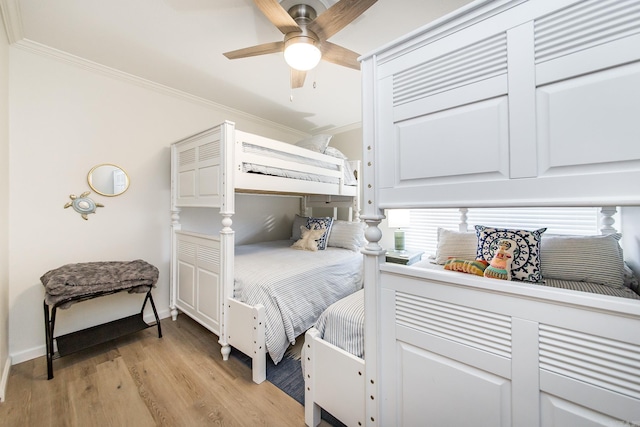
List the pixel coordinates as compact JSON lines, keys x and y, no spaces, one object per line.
{"x":48,"y":332}
{"x":155,"y":312}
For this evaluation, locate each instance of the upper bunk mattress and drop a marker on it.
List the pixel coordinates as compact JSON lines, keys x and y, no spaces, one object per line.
{"x":349,"y":175}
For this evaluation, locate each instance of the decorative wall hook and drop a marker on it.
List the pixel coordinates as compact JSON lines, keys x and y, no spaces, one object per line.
{"x":83,"y":204}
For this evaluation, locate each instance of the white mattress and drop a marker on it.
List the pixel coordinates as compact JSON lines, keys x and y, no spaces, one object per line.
{"x":294,"y":286}
{"x":349,"y":177}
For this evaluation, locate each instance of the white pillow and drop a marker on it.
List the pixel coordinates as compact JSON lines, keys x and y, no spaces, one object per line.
{"x":334,"y":152}
{"x":315,"y":143}
{"x":347,"y":234}
{"x":456,"y":244}
{"x":594,"y":259}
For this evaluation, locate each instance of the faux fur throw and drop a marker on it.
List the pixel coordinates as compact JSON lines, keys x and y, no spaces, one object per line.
{"x":74,"y":281}
{"x":308,"y":241}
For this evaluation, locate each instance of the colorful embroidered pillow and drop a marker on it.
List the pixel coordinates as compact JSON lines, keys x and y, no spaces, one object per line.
{"x":476,"y":267}
{"x":309,"y":239}
{"x":500,"y":265}
{"x":321,"y":223}
{"x":526,"y":254}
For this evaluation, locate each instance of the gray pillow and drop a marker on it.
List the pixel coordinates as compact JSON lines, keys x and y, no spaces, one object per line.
{"x":594,"y":259}
{"x":295,"y":229}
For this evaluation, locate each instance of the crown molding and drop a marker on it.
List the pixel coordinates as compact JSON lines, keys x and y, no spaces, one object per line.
{"x":10,"y":11}
{"x":62,"y":56}
{"x":346,"y":128}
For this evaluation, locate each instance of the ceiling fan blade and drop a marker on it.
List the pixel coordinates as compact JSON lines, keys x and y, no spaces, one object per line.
{"x":277,"y":15}
{"x":297,"y":78}
{"x":338,"y":16}
{"x":340,"y":55}
{"x":261,"y":49}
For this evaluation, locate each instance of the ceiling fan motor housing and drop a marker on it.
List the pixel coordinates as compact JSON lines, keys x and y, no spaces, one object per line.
{"x":302,"y":14}
{"x":294,"y":41}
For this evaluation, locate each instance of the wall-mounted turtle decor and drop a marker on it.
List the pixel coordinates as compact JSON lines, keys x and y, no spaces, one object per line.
{"x":83,"y":204}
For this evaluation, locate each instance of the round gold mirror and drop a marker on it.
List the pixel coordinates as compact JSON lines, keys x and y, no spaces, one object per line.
{"x":108,"y":180}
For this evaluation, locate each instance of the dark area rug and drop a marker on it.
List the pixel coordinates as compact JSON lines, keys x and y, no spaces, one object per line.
{"x":287,"y":376}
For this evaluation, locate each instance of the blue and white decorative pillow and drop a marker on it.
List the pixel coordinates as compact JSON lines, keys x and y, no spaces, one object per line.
{"x":317,"y":224}
{"x":526,"y":257}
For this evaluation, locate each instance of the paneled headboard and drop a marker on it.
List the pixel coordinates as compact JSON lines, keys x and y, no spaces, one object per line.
{"x":516,"y":104}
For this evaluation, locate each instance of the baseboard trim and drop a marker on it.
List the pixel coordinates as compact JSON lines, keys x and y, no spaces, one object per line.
{"x":41,"y":350}
{"x":5,"y":379}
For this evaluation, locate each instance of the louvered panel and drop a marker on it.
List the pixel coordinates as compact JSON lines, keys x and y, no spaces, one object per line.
{"x":584,"y":25}
{"x":480,"y":61}
{"x":209,"y":151}
{"x":475,"y":328}
{"x":186,"y":249}
{"x":187,"y":157}
{"x":210,"y":255}
{"x":603,"y":362}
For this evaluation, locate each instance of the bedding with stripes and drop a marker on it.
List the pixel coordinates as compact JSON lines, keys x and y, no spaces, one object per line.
{"x":294,"y":286}
{"x":342,"y":324}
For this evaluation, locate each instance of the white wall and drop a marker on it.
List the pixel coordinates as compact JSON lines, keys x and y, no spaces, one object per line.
{"x":349,"y":142}
{"x":4,"y":210}
{"x":65,"y":119}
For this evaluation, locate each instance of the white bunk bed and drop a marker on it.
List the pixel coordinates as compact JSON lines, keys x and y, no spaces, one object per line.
{"x":503,"y":103}
{"x":207,"y":170}
{"x":334,"y":348}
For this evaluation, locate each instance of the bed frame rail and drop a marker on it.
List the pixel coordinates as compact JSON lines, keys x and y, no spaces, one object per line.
{"x":334,"y":381}
{"x":245,"y":332}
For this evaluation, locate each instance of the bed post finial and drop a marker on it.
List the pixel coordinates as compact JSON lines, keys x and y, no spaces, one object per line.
{"x":607,"y":220}
{"x":463,"y":226}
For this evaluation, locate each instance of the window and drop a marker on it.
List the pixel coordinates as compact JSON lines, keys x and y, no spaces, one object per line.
{"x":422,"y":234}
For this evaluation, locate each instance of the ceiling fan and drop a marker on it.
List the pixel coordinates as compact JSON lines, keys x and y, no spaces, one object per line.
{"x":305,"y":35}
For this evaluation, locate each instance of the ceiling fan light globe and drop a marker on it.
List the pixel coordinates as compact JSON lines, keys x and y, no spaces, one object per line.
{"x":302,"y":55}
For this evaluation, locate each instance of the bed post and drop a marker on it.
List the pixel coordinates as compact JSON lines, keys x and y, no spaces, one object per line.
{"x":175,"y":226}
{"x":227,"y":235}
{"x":374,"y":253}
{"x":312,"y":413}
{"x":173,"y":266}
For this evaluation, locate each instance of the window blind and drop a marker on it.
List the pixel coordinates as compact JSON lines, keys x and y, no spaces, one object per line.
{"x":422,"y":234}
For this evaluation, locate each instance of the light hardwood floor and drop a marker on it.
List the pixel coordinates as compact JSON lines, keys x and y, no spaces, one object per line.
{"x":141,"y":380}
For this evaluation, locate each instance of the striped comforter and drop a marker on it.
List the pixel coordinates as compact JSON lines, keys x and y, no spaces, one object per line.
{"x":294,"y":286}
{"x":342,"y":324}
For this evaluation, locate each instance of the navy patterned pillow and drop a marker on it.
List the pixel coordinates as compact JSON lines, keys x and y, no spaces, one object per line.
{"x":320,"y":223}
{"x":526,"y":257}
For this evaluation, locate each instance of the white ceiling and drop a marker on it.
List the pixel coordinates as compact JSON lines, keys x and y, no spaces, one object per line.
{"x":179,"y":43}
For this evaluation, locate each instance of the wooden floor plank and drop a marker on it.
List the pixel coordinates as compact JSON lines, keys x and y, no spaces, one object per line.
{"x":177,"y":380}
{"x":119,"y":396}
